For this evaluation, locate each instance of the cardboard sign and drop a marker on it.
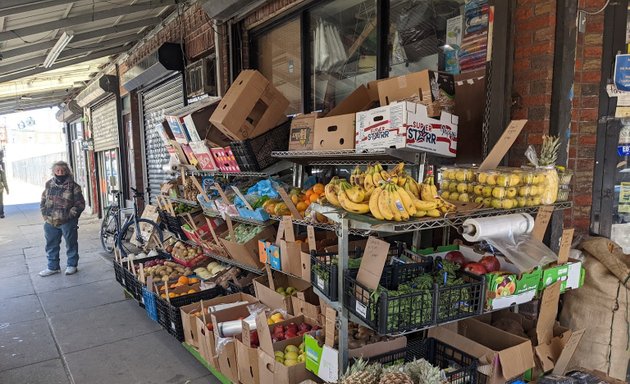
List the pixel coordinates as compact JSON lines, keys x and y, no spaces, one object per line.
{"x":222,"y":193}
{"x":542,"y":221}
{"x":548,"y":313}
{"x":287,"y":200}
{"x":331,"y":321}
{"x":243,"y":199}
{"x":503,"y":145}
{"x":373,"y":262}
{"x":310,"y":233}
{"x":567,"y":353}
{"x":200,"y":188}
{"x":565,"y":246}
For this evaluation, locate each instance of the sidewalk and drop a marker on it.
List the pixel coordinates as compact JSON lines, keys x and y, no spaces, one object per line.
{"x":77,"y":329}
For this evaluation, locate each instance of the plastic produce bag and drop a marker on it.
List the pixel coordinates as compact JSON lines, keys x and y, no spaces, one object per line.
{"x":524,"y":252}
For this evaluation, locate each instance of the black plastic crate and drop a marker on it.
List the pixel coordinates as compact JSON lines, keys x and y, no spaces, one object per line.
{"x":324,"y":269}
{"x":169,"y":316}
{"x":253,"y":155}
{"x":173,"y":224}
{"x":132,"y":284}
{"x":460,"y":367}
{"x":119,"y":273}
{"x":388,"y":313}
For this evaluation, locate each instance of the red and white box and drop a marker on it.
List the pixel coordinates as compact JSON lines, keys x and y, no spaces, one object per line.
{"x":225,"y":160}
{"x":406,"y":125}
{"x":203,"y":155}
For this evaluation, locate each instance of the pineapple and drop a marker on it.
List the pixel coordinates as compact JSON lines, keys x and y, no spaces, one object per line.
{"x":547,"y":161}
{"x":362,"y":373}
{"x":422,"y":372}
{"x":395,"y":375}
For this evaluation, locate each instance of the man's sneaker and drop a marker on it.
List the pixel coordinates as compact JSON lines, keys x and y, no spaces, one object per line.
{"x":48,"y":272}
{"x":71,"y":270}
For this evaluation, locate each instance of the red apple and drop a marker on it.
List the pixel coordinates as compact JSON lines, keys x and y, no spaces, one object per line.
{"x":490,"y":263}
{"x":279,"y":336}
{"x":253,"y":338}
{"x":315,"y":327}
{"x":475,"y":268}
{"x":292,"y":326}
{"x":304,"y":327}
{"x":456,"y":257}
{"x":290,"y":334}
{"x":278,"y":329}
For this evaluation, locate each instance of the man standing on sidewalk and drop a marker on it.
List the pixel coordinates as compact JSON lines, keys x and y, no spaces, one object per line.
{"x":62,"y":204}
{"x":3,"y":186}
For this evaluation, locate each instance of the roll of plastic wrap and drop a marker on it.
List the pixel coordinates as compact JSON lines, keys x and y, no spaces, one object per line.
{"x":507,"y":226}
{"x":234,"y":327}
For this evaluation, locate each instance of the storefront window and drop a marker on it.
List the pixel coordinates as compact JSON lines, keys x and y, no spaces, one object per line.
{"x":343,"y":50}
{"x":443,"y":35}
{"x":279,"y":60}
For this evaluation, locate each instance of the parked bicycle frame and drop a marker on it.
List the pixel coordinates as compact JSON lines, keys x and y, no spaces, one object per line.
{"x":134,"y":234}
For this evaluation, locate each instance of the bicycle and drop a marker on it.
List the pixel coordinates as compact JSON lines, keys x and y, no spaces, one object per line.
{"x":132,"y":236}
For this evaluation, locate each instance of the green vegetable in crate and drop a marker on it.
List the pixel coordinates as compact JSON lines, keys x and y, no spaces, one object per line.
{"x":244,"y":232}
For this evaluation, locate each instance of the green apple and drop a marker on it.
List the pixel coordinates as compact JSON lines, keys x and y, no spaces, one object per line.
{"x":478,"y":190}
{"x":486,"y":192}
{"x":498,"y":192}
{"x":464,"y":198}
{"x":462,"y":187}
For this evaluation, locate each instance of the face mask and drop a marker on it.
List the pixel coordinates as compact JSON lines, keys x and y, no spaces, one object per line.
{"x":61,"y":179}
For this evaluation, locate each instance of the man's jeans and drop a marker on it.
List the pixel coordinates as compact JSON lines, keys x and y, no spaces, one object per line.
{"x":53,"y":240}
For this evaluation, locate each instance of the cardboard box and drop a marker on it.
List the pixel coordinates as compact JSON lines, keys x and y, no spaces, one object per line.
{"x":226,"y":346}
{"x":246,"y":253}
{"x":198,"y":126}
{"x":502,"y":356}
{"x":382,"y":127}
{"x":266,"y":292}
{"x":207,"y":343}
{"x":224,"y":159}
{"x":205,"y":160}
{"x":270,"y":370}
{"x":285,"y":253}
{"x":247,"y":363}
{"x":176,"y":124}
{"x":250,"y":107}
{"x":571,"y":275}
{"x":359,"y":100}
{"x":438,"y":136}
{"x":191,"y":335}
{"x":306,"y":304}
{"x":302,"y":134}
{"x":507,"y":289}
{"x":324,"y":361}
{"x":428,"y":85}
{"x":336,"y":132}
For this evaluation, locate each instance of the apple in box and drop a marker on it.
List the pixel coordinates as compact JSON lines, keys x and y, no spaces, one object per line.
{"x":485,"y":265}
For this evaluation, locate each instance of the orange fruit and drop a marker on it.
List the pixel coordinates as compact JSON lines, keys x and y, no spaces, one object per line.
{"x":183,"y":280}
{"x":308,"y":192}
{"x":193,"y":280}
{"x":319,"y":188}
{"x":172,"y":294}
{"x":295,"y":198}
{"x":192,"y":291}
{"x":314,"y":197}
{"x":301,"y":206}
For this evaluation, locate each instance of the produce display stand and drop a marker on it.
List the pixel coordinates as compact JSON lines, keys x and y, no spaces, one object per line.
{"x":345,"y":224}
{"x":210,"y":368}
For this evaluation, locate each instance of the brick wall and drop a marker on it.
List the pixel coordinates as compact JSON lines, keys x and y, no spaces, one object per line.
{"x":195,"y":27}
{"x":533,"y":74}
{"x":584,"y":116}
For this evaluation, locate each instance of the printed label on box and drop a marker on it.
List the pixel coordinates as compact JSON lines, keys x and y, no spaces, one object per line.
{"x":319,"y":282}
{"x":361,"y":309}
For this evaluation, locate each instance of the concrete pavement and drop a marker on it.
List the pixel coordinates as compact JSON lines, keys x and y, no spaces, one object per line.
{"x":77,"y":329}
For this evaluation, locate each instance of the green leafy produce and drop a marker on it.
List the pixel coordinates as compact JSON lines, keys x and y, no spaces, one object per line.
{"x":411,"y":304}
{"x":244,"y":233}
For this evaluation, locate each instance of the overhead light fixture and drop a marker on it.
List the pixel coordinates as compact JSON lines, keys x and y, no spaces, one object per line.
{"x":59,"y":46}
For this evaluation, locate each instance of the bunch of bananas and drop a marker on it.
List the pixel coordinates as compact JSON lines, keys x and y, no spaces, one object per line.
{"x":428,"y":192}
{"x":352,"y":198}
{"x":392,"y":195}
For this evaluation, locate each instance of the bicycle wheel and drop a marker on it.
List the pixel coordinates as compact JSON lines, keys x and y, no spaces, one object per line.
{"x":130,"y":242}
{"x":109,"y":230}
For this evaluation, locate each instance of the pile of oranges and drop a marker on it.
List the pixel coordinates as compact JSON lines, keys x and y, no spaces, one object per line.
{"x":302,"y":199}
{"x":182,"y":281}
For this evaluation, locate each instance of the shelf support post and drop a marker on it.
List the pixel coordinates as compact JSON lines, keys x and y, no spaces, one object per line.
{"x":343,"y":318}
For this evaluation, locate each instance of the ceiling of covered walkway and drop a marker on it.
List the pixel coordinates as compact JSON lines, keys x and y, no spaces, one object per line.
{"x":100,"y":30}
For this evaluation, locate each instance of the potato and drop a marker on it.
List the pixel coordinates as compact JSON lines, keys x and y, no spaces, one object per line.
{"x":169,"y":269}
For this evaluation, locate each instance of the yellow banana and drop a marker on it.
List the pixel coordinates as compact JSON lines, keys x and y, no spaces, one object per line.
{"x":406,"y":200}
{"x":385,"y":175}
{"x":434,"y":213}
{"x":395,"y":204}
{"x":355,"y":193}
{"x":412,"y":188}
{"x":398,"y":169}
{"x":422,"y":205}
{"x":376,"y":176}
{"x":394,"y":180}
{"x":349,"y":205}
{"x":383,"y":204}
{"x":402,"y":180}
{"x":426,"y":192}
{"x":420,"y":213}
{"x":373,"y":204}
{"x":368,"y":181}
{"x":330,"y":191}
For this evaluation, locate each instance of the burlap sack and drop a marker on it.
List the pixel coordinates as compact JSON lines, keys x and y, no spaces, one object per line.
{"x":601,"y":307}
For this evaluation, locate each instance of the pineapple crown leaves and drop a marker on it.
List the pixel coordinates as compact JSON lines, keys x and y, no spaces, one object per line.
{"x":361,"y":366}
{"x":549,"y":150}
{"x":422,"y":372}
